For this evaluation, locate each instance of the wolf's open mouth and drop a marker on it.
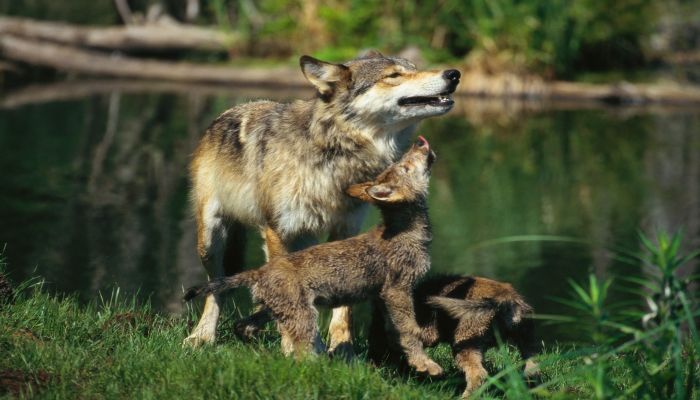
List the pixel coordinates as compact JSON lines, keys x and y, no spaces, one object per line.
{"x":439,"y":100}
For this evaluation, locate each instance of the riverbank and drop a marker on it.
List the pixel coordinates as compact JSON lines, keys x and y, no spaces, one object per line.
{"x":57,"y":349}
{"x":52,"y":347}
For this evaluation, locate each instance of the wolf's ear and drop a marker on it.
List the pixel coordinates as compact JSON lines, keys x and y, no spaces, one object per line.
{"x":323,"y":75}
{"x":359,"y":191}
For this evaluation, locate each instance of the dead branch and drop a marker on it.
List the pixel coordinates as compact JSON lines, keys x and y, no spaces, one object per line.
{"x":153,"y":36}
{"x":78,"y":89}
{"x":71,"y":59}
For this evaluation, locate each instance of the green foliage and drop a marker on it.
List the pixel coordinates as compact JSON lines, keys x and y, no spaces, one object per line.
{"x":559,"y":36}
{"x":655,"y":338}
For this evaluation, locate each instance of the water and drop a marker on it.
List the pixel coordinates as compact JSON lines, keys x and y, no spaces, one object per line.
{"x":94,"y":187}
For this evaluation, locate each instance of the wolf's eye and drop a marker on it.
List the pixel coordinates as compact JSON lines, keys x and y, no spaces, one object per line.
{"x":394,"y":75}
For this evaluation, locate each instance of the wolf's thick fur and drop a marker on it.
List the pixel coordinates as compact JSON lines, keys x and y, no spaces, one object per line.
{"x":283,"y":167}
{"x":464,"y":311}
{"x":383,"y":263}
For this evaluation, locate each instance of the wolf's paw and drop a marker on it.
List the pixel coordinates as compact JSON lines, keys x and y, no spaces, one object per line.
{"x":428,"y":366}
{"x":198,"y":340}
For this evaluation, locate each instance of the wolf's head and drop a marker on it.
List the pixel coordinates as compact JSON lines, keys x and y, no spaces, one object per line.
{"x":386,"y":91}
{"x":404,"y":181}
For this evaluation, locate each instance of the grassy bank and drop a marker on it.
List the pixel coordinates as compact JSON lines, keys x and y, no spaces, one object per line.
{"x":53,"y":347}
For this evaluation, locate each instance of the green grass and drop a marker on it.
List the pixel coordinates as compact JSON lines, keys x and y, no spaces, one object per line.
{"x":54,"y":347}
{"x":120,"y":350}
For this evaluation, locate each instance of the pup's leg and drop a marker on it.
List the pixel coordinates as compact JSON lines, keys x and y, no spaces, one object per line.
{"x":469,"y":359}
{"x":377,"y":343}
{"x":340,"y":327}
{"x":247,"y":328}
{"x":524,"y":338}
{"x":211,"y":239}
{"x":470,"y":338}
{"x":380,"y":347}
{"x":299,"y":330}
{"x":399,"y":309}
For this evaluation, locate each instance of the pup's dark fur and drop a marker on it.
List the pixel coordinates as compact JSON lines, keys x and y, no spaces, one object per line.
{"x":383,"y":263}
{"x":464,"y":311}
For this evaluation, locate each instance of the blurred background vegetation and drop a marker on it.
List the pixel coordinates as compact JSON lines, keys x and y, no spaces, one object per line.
{"x":554,"y":38}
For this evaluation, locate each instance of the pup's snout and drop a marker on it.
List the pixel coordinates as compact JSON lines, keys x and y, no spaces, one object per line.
{"x":451,"y":75}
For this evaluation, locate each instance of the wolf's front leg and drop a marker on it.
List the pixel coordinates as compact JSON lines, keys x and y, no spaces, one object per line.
{"x":340,"y":328}
{"x":399,"y":310}
{"x":211,"y":242}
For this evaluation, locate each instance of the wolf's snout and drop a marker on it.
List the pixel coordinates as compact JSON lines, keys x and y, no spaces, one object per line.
{"x":451,"y":75}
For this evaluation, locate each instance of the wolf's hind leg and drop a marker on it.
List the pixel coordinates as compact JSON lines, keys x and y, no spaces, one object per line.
{"x":340,"y":332}
{"x":211,"y":240}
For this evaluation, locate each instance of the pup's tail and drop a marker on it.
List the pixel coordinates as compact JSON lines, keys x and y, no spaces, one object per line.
{"x":461,"y":308}
{"x":511,"y":311}
{"x":221,"y":284}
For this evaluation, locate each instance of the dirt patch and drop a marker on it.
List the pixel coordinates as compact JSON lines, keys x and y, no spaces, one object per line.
{"x":16,"y":382}
{"x":25,"y":335}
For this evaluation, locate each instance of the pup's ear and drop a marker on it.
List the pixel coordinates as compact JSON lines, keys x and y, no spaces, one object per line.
{"x":383,"y":193}
{"x":323,"y":75}
{"x":359,"y":191}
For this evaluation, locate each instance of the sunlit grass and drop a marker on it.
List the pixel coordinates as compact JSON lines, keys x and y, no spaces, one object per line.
{"x":53,"y":347}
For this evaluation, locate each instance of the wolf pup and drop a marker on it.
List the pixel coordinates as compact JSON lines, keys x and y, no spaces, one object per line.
{"x":383,"y":263}
{"x":283,"y":167}
{"x":464,"y":311}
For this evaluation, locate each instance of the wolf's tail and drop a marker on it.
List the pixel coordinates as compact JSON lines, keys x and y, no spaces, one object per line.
{"x":511,"y":311}
{"x":219,"y":285}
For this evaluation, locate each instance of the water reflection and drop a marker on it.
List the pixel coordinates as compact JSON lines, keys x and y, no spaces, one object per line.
{"x":94,"y":190}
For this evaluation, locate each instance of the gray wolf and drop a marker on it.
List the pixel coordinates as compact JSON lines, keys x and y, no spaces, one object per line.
{"x":283,"y":168}
{"x":384,"y":264}
{"x":464,"y":311}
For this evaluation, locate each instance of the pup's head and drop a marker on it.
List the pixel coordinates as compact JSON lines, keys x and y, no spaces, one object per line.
{"x":385,"y":90}
{"x":404,"y":181}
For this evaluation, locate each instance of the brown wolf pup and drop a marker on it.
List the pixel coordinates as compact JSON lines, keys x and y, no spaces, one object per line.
{"x":284,"y":167}
{"x":464,"y":311}
{"x":383,"y":263}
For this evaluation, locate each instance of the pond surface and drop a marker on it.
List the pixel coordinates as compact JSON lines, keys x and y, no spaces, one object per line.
{"x":94,"y":188}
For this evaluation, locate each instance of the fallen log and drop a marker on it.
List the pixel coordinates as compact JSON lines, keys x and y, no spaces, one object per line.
{"x":80,"y":89}
{"x":151,"y":36}
{"x":96,"y":63}
{"x":71,"y":59}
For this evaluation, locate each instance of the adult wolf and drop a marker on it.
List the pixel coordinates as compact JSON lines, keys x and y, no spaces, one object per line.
{"x":284,"y":167}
